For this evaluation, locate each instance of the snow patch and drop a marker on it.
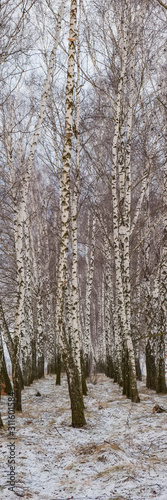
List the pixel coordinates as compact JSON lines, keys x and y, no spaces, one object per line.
{"x":120,"y":454}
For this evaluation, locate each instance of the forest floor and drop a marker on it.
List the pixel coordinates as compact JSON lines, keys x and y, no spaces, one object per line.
{"x":120,"y":454}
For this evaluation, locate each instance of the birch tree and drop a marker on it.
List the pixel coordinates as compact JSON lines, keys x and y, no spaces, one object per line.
{"x":89,"y":256}
{"x":76,"y":323}
{"x":162,"y":313}
{"x":110,"y":317}
{"x":121,"y":231}
{"x":70,"y":354}
{"x":1,"y":360}
{"x":20,"y":230}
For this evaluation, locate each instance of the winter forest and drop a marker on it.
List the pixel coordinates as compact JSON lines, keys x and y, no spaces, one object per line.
{"x":83,"y":195}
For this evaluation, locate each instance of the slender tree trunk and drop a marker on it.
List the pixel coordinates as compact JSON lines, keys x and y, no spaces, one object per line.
{"x":20,"y":339}
{"x":149,"y":313}
{"x":58,"y":367}
{"x":137,"y":314}
{"x":121,"y":232}
{"x":76,"y":325}
{"x":50,"y":340}
{"x":4,"y":376}
{"x":1,"y":362}
{"x":19,"y":330}
{"x":70,"y":353}
{"x":162,"y":326}
{"x":40,"y":336}
{"x":109,"y":309}
{"x":8,"y":340}
{"x":28,"y":313}
{"x":89,"y":280}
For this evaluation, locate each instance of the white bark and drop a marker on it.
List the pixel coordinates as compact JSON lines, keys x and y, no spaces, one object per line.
{"x":28,"y":312}
{"x":20,"y":218}
{"x":113,"y":339}
{"x":90,"y":247}
{"x":100,"y":325}
{"x":50,"y":340}
{"x":121,"y":231}
{"x":1,"y":361}
{"x":76,"y":326}
{"x":38,"y":278}
{"x":162,"y":323}
{"x":37,"y":289}
{"x":71,"y":354}
{"x":65,"y":180}
{"x":163,"y":276}
{"x":150,"y":346}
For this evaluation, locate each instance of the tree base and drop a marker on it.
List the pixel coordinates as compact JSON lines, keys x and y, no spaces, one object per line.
{"x":83,"y":370}
{"x":129,"y":378}
{"x":150,"y":368}
{"x":5,"y":377}
{"x":138,"y":369}
{"x":17,"y":396}
{"x":41,"y":367}
{"x":27,"y":372}
{"x":58,"y":369}
{"x":76,"y":395}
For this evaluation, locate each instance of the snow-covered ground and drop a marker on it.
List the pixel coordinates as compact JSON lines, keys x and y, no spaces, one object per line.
{"x":120,"y":454}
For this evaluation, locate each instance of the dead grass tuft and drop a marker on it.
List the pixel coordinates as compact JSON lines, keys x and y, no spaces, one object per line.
{"x":115,"y":468}
{"x":93,"y":448}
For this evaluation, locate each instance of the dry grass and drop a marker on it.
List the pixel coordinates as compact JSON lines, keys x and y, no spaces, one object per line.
{"x":92,"y":449}
{"x":127,"y":467}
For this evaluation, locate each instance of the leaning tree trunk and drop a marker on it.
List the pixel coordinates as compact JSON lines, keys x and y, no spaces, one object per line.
{"x":4,"y":375}
{"x":8,"y":340}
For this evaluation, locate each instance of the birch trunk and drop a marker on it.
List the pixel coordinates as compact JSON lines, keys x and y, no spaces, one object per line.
{"x":19,"y":342}
{"x":121,"y":232}
{"x":8,"y":340}
{"x":37,"y":279}
{"x":103,"y":336}
{"x":4,"y":375}
{"x":19,"y":329}
{"x":27,"y":364}
{"x":51,"y":354}
{"x":162,"y":326}
{"x":39,"y":311}
{"x":76,"y":325}
{"x":1,"y":361}
{"x":71,"y":355}
{"x":109,"y":312}
{"x":88,"y":351}
{"x":137,"y":314}
{"x":19,"y":220}
{"x":150,"y":346}
{"x":40,"y":336}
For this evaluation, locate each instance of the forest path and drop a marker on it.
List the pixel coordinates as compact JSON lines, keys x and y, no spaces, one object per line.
{"x":120,"y":454}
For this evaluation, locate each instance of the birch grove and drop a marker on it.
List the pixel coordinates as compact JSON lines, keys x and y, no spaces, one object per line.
{"x":83,"y":195}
